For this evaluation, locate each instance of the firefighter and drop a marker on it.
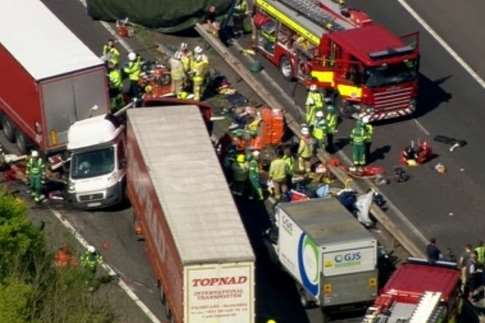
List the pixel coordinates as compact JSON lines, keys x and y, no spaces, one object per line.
{"x":320,"y":129}
{"x":115,"y":87}
{"x":240,"y":173}
{"x":90,"y":261}
{"x":254,"y":176}
{"x":36,"y":175}
{"x":314,"y":102}
{"x":111,"y":54}
{"x":305,"y":151}
{"x":480,"y":249}
{"x":177,"y":73}
{"x":278,"y":174}
{"x":331,"y":120}
{"x":199,"y":69}
{"x":358,"y":144}
{"x":369,"y":133}
{"x":186,"y":57}
{"x":241,"y":12}
{"x":133,"y":70}
{"x":289,"y":160}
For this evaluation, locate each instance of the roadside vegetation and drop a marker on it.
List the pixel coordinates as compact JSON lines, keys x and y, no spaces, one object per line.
{"x":32,"y":288}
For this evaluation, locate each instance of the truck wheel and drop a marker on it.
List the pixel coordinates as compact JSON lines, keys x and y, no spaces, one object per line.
{"x":286,"y":69}
{"x":8,"y":129}
{"x":21,"y":142}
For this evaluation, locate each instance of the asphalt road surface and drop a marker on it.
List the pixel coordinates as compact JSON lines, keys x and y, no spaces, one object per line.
{"x":448,"y":207}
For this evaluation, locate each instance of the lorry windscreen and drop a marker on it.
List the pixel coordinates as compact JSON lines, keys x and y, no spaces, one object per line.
{"x":391,"y":74}
{"x":92,"y":163}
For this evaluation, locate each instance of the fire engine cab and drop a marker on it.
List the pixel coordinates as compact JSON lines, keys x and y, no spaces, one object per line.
{"x":366,"y":67}
{"x":419,"y":292}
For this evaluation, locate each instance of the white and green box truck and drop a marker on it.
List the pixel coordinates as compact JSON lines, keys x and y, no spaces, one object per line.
{"x":330,"y":255}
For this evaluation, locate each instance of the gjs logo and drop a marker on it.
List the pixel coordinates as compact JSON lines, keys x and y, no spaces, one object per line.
{"x":348,"y":257}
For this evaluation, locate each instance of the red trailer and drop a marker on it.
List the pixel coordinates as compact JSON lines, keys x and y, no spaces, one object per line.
{"x":195,"y":241}
{"x":49,"y":79}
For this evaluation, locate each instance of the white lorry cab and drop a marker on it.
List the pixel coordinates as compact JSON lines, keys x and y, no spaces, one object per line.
{"x":97,"y":163}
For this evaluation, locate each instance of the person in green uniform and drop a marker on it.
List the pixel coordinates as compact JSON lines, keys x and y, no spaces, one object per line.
{"x":358,"y":144}
{"x":331,"y":119}
{"x":90,"y":261}
{"x":320,"y":129}
{"x":36,"y":175}
{"x":240,"y":173}
{"x":254,"y":176}
{"x":115,"y":87}
{"x":369,"y":133}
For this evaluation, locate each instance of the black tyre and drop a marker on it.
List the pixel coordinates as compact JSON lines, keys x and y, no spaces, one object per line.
{"x":8,"y":129}
{"x":286,"y":69}
{"x":21,"y":142}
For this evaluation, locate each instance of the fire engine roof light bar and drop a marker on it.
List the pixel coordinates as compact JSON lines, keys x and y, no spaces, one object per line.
{"x":391,"y":52}
{"x":441,"y":263}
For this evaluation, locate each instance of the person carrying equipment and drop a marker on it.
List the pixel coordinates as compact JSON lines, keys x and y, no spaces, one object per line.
{"x":90,"y":261}
{"x":254,"y":176}
{"x":111,"y":54}
{"x":115,"y":87}
{"x":320,"y":129}
{"x":331,"y":119}
{"x":199,"y":69}
{"x":369,"y":133}
{"x":133,"y":70}
{"x":177,"y":73}
{"x":358,"y":144}
{"x":36,"y":175}
{"x":305,"y":151}
{"x":314,"y":102}
{"x":240,"y":173}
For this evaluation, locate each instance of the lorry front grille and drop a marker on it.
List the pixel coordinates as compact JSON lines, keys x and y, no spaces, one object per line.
{"x":393,"y":99}
{"x":91,"y":197}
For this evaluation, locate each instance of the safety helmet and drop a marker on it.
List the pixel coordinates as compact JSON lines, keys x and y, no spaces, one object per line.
{"x":319,"y":114}
{"x":131,"y":56}
{"x":241,"y":158}
{"x":184,"y":46}
{"x":365,"y":119}
{"x":198,"y":50}
{"x":330,"y":108}
{"x":305,"y":131}
{"x":34,"y":154}
{"x":91,"y":249}
{"x":177,"y":55}
{"x":313,"y":87}
{"x":270,"y":321}
{"x":256,"y":153}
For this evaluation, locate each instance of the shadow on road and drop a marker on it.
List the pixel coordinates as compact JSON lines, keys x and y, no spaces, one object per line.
{"x":430,"y":94}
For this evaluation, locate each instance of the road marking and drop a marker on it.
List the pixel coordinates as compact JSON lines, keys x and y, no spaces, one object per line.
{"x":110,"y":29}
{"x":107,"y":267}
{"x":443,"y":43}
{"x":421,"y":127}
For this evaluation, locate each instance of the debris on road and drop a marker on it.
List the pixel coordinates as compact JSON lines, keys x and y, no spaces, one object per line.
{"x":440,"y":168}
{"x":453,"y":142}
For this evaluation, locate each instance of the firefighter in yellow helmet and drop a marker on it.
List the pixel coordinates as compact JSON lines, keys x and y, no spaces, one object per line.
{"x":240,"y":173}
{"x":199,"y":70}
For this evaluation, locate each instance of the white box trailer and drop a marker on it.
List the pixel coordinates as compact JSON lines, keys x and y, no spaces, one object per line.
{"x":331,"y":256}
{"x":195,"y":240}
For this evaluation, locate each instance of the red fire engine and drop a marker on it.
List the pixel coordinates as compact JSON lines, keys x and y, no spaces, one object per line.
{"x":419,"y":292}
{"x":369,"y":69}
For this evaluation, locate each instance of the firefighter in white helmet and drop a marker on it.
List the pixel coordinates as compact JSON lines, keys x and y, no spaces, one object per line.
{"x":177,"y":73}
{"x":314,"y":102}
{"x":199,"y":70}
{"x":133,"y":70}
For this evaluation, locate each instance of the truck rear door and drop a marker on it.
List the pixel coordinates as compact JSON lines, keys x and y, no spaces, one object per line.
{"x":69,"y":98}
